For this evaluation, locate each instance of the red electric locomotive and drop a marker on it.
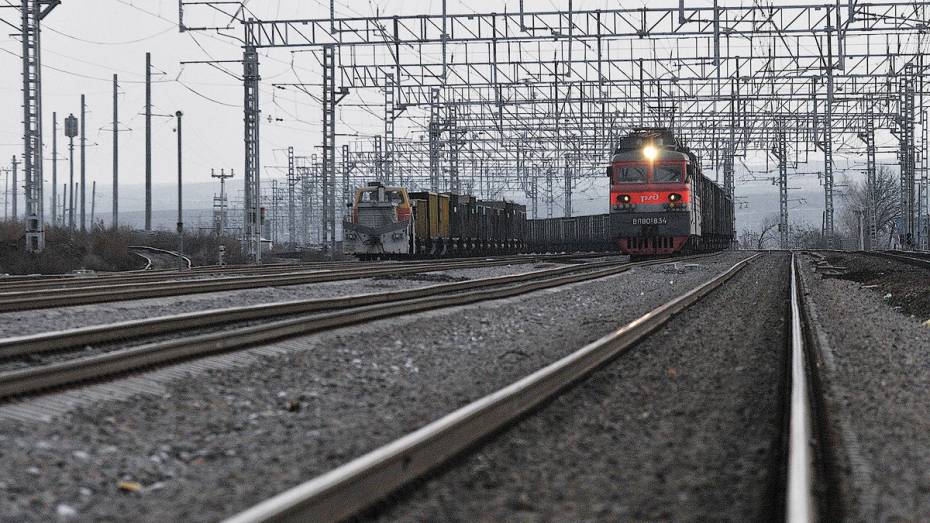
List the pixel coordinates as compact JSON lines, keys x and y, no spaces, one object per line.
{"x":660,"y":202}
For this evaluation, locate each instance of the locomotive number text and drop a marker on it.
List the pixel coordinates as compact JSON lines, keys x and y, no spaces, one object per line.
{"x":650,"y":221}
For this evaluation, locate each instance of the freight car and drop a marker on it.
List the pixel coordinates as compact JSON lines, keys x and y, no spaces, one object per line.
{"x":389,"y":221}
{"x":449,"y":224}
{"x":580,"y":233}
{"x":660,"y":201}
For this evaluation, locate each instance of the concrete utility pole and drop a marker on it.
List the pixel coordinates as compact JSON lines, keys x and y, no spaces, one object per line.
{"x":6,"y":194}
{"x":274,"y":212}
{"x":15,"y":186}
{"x":568,"y":187}
{"x":6,"y":191}
{"x":178,"y":114}
{"x":115,"y":219}
{"x":148,"y":141}
{"x":54,"y":168}
{"x":83,"y":165}
{"x":93,"y":203}
{"x":71,"y":130}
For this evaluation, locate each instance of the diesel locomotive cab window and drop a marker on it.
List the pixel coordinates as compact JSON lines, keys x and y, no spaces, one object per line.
{"x":631,"y":174}
{"x":666,"y":173}
{"x":395,"y":197}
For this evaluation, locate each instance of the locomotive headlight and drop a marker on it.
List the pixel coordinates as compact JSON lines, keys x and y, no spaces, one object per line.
{"x":623,"y":198}
{"x":674,"y":197}
{"x":650,"y":152}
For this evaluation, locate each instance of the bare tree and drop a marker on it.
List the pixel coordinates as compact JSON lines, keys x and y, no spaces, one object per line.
{"x":880,"y":200}
{"x":755,"y":238}
{"x":806,"y":236}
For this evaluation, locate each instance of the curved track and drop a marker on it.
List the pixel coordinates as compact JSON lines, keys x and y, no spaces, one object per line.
{"x":160,"y":258}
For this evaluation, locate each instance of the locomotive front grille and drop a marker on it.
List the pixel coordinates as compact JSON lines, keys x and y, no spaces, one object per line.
{"x":650,"y":242}
{"x":376,"y":216}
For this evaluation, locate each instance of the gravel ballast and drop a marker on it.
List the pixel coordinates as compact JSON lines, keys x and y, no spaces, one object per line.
{"x":877,"y":378}
{"x":226,"y":439}
{"x":44,"y":320}
{"x":684,"y":427}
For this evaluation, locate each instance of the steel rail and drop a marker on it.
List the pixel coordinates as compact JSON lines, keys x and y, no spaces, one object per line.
{"x":38,"y":299}
{"x":97,"y":334}
{"x":799,"y":495}
{"x":358,"y":484}
{"x":148,"y":262}
{"x":21,"y":382}
{"x":163,"y":251}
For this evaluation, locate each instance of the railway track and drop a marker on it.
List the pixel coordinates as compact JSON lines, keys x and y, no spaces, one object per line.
{"x":812,"y":492}
{"x":355,"y":486}
{"x":29,"y":283}
{"x":799,"y":488}
{"x":352,"y":488}
{"x":65,"y":282}
{"x":277,"y":321}
{"x":90,"y":292}
{"x":917,"y":259}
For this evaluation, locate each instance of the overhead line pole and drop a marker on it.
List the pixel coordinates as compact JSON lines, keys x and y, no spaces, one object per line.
{"x":115,"y":219}
{"x":71,"y":130}
{"x":54,"y":169}
{"x":148,"y":141}
{"x":329,"y":149}
{"x":15,"y":187}
{"x":291,"y":203}
{"x":33,"y":11}
{"x":83,"y":188}
{"x":252,"y":219}
{"x":179,"y":114}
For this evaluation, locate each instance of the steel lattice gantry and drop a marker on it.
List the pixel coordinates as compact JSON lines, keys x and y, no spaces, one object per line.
{"x":251,"y":230}
{"x":906,"y":154}
{"x":533,"y":92}
{"x":32,"y":12}
{"x":329,"y":147}
{"x":292,"y":182}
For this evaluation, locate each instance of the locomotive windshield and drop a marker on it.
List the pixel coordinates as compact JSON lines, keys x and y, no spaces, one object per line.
{"x":666,"y":173}
{"x":371,"y":195}
{"x":631,"y":174}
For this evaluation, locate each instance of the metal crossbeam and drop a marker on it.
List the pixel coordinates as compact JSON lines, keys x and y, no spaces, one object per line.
{"x":742,"y":21}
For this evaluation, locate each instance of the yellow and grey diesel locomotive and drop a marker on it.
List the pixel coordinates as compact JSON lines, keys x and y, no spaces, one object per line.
{"x":387,"y":221}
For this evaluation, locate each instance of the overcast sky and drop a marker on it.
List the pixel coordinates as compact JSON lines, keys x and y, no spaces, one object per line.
{"x":84,"y":43}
